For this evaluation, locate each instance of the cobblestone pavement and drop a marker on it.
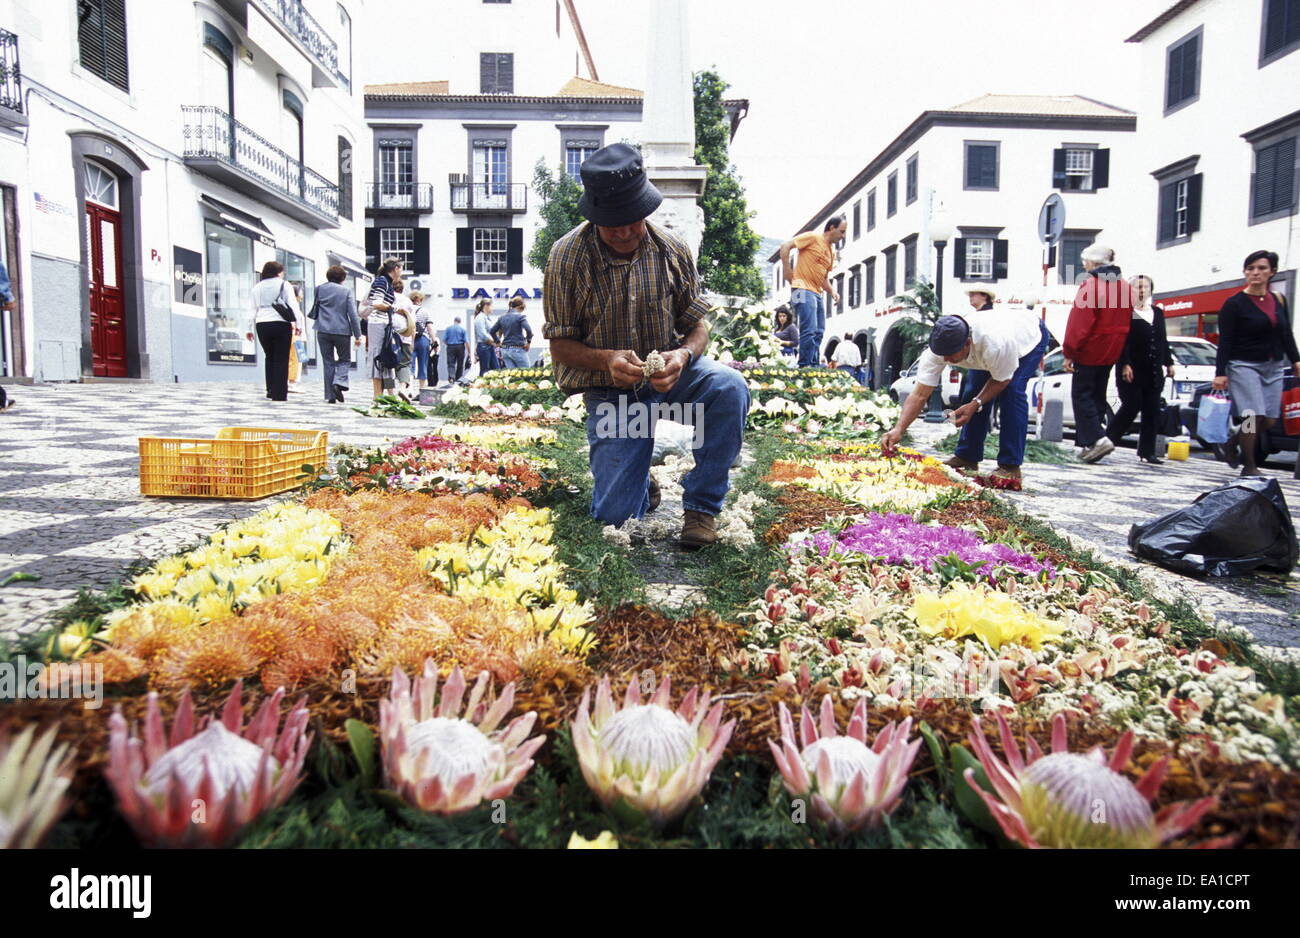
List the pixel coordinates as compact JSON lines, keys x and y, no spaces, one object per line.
{"x":1096,"y":505}
{"x":71,"y":511}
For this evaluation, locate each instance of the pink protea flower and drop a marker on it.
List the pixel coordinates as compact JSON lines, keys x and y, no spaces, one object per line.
{"x":34,"y":776}
{"x":850,"y":784}
{"x":199,"y":789}
{"x":446,"y":763}
{"x":1074,"y":800}
{"x":645,"y":760}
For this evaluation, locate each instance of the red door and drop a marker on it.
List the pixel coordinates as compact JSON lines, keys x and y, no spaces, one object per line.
{"x":107,"y":312}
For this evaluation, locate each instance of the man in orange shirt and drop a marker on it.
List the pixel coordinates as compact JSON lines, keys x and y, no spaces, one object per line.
{"x":808,"y":277}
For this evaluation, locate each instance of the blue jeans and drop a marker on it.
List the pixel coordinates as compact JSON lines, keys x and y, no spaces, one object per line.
{"x":487,"y":357}
{"x":514,"y":357}
{"x":808,"y":306}
{"x":422,"y":357}
{"x":1013,"y":411}
{"x":621,"y":452}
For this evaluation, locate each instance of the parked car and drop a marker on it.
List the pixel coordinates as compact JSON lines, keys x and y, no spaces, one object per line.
{"x":951,"y":382}
{"x":1193,"y":364}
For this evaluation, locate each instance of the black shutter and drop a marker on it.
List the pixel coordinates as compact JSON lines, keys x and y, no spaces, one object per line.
{"x":345,"y":178}
{"x":959,"y":258}
{"x":421,"y":260}
{"x":1174,"y":77}
{"x":1262,"y":189}
{"x":487,"y":72}
{"x":1282,"y":25}
{"x":999,"y":259}
{"x":1058,"y":168}
{"x":464,"y":250}
{"x":1191,"y":59}
{"x":1194,"y":202}
{"x":506,"y":73}
{"x":1101,"y":169}
{"x":514,"y":251}
{"x":1168,"y":212}
{"x":115,"y":70}
{"x":372,"y":249}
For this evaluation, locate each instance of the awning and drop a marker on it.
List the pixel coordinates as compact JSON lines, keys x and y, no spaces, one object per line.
{"x":238,"y":220}
{"x":349,"y":265}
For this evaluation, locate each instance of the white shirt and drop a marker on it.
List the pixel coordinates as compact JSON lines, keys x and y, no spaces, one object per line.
{"x":1147,"y":314}
{"x":266,"y":292}
{"x":999,"y":339}
{"x":848,"y":353}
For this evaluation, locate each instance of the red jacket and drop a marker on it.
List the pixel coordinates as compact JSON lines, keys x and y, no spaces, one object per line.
{"x":1100,"y":318}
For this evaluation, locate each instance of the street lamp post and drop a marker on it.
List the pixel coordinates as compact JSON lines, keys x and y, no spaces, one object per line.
{"x":941,"y":231}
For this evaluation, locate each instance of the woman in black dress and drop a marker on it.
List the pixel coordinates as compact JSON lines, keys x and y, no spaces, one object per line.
{"x":1141,"y":370}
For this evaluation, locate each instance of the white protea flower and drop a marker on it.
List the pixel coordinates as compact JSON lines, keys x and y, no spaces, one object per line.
{"x":448,"y":759}
{"x":34,"y":776}
{"x":645,"y":760}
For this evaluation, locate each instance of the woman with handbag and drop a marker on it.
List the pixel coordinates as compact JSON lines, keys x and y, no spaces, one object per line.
{"x":276,"y":323}
{"x":379,"y":304}
{"x":1144,"y":363}
{"x":1256,"y":342}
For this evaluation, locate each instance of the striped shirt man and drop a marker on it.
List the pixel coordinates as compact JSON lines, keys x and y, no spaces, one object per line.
{"x":643,"y":303}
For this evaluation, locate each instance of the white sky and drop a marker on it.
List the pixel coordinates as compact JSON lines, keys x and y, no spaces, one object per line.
{"x":831,"y":82}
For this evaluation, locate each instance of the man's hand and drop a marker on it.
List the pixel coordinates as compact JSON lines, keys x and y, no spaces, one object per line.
{"x":625,"y":369}
{"x":1127,"y":373}
{"x":835,"y":297}
{"x":674,"y":363}
{"x":11,"y":305}
{"x":1169,"y":371}
{"x":1069,"y":366}
{"x":963,"y":414}
{"x":889,"y":443}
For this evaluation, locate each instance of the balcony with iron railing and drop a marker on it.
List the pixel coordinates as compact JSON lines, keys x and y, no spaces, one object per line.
{"x":292,"y":20}
{"x":12,"y":113}
{"x":399,"y":197}
{"x":489,"y":197}
{"x":219,"y":146}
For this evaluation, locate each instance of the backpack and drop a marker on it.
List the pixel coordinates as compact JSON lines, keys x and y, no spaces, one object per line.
{"x":390,"y":350}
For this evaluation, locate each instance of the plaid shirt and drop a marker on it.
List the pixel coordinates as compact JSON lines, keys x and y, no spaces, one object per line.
{"x":643,"y":303}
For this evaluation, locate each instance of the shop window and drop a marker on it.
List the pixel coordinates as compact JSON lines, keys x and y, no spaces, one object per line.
{"x":227,"y":285}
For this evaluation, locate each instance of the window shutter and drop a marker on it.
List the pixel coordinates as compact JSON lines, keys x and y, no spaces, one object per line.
{"x":999,"y":259}
{"x":1174,"y":77}
{"x":372,"y":249}
{"x":1168,"y":212}
{"x":1191,"y":56}
{"x":1194,"y":202}
{"x":487,"y":72}
{"x":514,"y":251}
{"x":464,"y":250}
{"x":959,"y":258}
{"x":506,"y":73}
{"x":1101,"y":169}
{"x":421,"y":243}
{"x":345,"y":178}
{"x":1265,"y":172}
{"x":1058,"y":168}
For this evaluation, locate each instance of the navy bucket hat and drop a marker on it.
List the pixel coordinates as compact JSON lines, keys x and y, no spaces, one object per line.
{"x":616,"y":191}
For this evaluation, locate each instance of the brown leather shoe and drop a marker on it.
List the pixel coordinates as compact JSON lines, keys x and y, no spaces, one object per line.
{"x":698,"y":529}
{"x":1006,"y":472}
{"x":961,"y":465}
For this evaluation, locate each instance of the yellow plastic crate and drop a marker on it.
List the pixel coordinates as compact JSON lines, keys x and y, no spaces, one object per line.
{"x":241,"y":463}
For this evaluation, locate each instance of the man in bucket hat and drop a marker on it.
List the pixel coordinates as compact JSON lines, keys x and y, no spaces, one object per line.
{"x":1002,"y":353}
{"x":622,"y":296}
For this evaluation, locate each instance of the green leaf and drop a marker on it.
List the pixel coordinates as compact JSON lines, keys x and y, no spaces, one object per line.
{"x":936,"y":749}
{"x":971,"y":804}
{"x":21,"y":578}
{"x":362,"y":740}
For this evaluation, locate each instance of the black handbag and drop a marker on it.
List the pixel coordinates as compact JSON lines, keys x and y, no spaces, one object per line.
{"x":284,"y":309}
{"x":1171,"y":420}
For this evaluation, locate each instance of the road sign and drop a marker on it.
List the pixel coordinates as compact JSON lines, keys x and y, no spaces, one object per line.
{"x":1051,"y":219}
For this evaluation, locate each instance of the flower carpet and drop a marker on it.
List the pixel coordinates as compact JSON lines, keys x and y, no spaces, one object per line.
{"x":434,"y":645}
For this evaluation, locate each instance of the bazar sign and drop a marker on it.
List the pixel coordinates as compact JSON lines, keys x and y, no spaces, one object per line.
{"x":497,"y":293}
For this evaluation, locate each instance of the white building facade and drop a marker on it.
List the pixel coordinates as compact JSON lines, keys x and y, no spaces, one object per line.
{"x":166,"y":151}
{"x":987,"y":165}
{"x":1220,"y":117}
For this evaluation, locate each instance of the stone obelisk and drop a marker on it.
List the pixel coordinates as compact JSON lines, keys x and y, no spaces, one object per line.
{"x":668,"y":124}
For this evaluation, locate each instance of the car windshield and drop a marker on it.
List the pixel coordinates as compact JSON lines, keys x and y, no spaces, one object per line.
{"x":1193,"y":353}
{"x":1054,"y":363}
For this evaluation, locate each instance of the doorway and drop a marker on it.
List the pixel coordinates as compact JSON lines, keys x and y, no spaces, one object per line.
{"x":103,"y":231}
{"x":11,"y":323}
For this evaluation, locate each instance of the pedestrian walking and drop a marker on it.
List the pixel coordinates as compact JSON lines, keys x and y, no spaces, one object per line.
{"x":422,"y":344}
{"x":404,"y":326}
{"x":619,"y":292}
{"x":485,"y":347}
{"x":454,"y":338}
{"x":338,"y":331}
{"x":514,"y":335}
{"x":434,"y":349}
{"x":808,"y":277}
{"x":1143,"y":365}
{"x":848,"y":357}
{"x":1256,"y":341}
{"x":786,"y":332}
{"x":1003,"y":353}
{"x":380,"y":303}
{"x":276,"y":320}
{"x":1094,"y":338}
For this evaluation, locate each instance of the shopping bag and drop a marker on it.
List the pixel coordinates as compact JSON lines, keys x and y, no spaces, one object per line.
{"x":1171,"y":419}
{"x":1212,"y":417}
{"x":295,"y":368}
{"x":1291,"y":405}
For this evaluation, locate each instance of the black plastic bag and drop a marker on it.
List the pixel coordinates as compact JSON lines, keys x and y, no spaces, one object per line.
{"x":1229,"y":531}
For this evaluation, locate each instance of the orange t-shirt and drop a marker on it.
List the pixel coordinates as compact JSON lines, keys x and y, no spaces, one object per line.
{"x":815,"y":260}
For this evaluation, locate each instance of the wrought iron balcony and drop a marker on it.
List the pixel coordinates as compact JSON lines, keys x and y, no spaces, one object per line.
{"x":219,"y":146}
{"x":399,"y":197}
{"x":489,"y":197}
{"x":302,"y":29}
{"x":11,"y":82}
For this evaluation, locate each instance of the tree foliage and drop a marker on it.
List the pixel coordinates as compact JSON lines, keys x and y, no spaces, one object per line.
{"x":559,"y":196}
{"x":729,"y":244}
{"x":921,"y":303}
